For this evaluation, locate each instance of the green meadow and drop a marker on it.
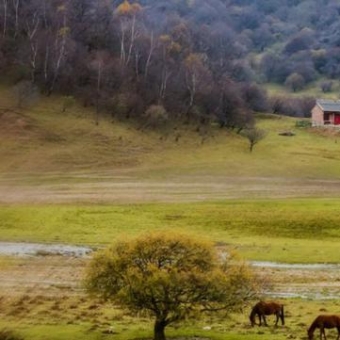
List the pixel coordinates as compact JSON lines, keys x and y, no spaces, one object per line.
{"x":69,"y":318}
{"x":284,"y":230}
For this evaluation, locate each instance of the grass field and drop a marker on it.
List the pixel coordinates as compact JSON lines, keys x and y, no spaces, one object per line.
{"x":78,"y":318}
{"x":289,"y":230}
{"x":64,"y":179}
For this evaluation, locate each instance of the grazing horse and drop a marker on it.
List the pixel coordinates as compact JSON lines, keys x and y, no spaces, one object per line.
{"x":322,"y":322}
{"x":262,"y":308}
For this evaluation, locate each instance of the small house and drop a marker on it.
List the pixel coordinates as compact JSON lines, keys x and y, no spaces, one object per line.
{"x":326,"y":112}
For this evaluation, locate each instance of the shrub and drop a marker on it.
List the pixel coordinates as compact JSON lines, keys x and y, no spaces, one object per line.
{"x":127,"y":105}
{"x":303,"y":123}
{"x":9,"y":335}
{"x":326,"y":86}
{"x":155,"y":117}
{"x":25,"y":93}
{"x":68,"y":101}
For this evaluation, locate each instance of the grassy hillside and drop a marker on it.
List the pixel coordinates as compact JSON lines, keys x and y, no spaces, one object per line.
{"x":43,"y":140}
{"x":313,"y":89}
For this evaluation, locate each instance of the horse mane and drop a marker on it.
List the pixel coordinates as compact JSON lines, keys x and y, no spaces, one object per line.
{"x":313,"y":326}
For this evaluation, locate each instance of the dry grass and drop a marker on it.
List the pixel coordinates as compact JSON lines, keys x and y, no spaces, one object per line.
{"x":53,"y":157}
{"x":37,"y":308}
{"x":43,"y":141}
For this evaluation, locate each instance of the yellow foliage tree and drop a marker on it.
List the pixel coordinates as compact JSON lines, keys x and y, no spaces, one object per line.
{"x":171,"y":276}
{"x":125,"y":8}
{"x":127,"y":14}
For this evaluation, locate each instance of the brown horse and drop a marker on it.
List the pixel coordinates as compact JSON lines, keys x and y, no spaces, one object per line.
{"x":322,"y":322}
{"x":262,"y":308}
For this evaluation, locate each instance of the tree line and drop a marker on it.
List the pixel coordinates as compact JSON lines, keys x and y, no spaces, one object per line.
{"x":155,"y":61}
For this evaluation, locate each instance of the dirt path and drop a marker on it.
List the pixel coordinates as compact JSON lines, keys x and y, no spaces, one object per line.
{"x":42,"y":275}
{"x":126,"y":189}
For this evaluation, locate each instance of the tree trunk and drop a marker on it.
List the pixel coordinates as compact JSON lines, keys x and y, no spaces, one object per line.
{"x":5,"y":5}
{"x":16,"y":26}
{"x":159,"y":329}
{"x":149,"y":56}
{"x":251,"y":146}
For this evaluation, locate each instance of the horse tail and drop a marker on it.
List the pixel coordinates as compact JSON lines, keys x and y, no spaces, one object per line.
{"x":282,"y":315}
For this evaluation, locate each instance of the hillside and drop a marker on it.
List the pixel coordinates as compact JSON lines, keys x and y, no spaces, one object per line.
{"x":44,"y":146}
{"x":162,"y":61}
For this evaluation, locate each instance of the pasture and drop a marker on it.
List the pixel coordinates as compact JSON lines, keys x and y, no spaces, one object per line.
{"x":65,"y":180}
{"x":65,"y":313}
{"x":284,"y":230}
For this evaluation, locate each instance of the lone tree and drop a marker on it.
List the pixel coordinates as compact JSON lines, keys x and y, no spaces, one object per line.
{"x":171,"y":277}
{"x":254,"y":135}
{"x":295,"y":82}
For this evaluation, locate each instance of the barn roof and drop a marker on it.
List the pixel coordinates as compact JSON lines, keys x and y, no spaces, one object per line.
{"x":329,"y":105}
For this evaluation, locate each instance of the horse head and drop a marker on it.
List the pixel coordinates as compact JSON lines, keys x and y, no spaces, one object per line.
{"x":310,"y":334}
{"x":311,"y":329}
{"x":252,"y":318}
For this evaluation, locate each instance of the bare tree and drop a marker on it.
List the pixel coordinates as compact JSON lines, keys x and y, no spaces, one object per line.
{"x":254,"y":136}
{"x":59,"y":46}
{"x":295,"y":82}
{"x":32,"y":28}
{"x":148,"y":60}
{"x":326,"y":86}
{"x":16,"y":4}
{"x":167,"y":47}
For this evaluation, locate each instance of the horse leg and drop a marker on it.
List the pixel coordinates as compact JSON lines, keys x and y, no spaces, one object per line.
{"x":281,"y":315}
{"x":264,"y":320}
{"x":322,"y":331}
{"x":277,"y":319}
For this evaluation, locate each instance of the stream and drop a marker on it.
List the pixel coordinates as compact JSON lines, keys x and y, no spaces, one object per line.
{"x":33,"y":249}
{"x":323,"y":278}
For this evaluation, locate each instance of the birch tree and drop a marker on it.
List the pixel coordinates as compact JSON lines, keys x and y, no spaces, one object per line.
{"x":127,"y":14}
{"x":5,"y":14}
{"x":16,"y":4}
{"x":59,"y":46}
{"x":32,"y":24}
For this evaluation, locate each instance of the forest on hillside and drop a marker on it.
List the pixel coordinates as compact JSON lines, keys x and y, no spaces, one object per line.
{"x":160,"y":60}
